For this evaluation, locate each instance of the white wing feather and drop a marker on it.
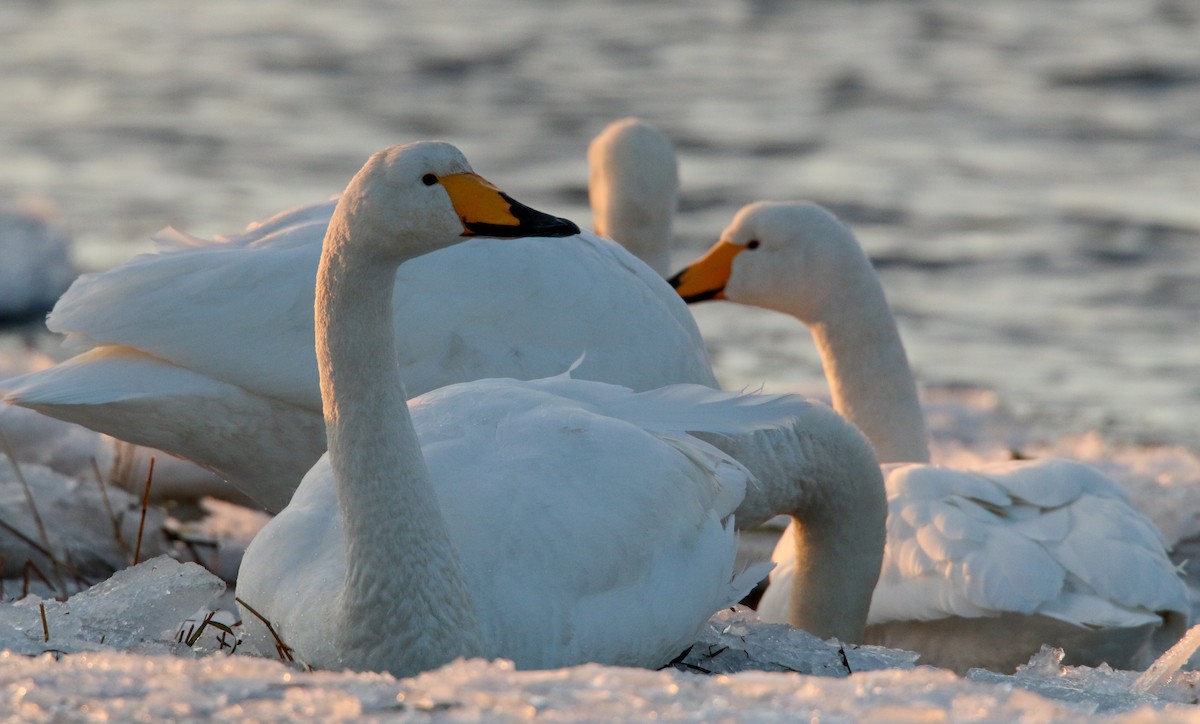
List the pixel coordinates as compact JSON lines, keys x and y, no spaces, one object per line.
{"x":1050,"y":537}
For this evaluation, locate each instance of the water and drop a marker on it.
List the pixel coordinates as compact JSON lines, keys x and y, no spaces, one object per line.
{"x":1026,"y":179}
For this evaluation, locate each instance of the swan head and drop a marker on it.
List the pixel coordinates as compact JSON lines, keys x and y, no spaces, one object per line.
{"x":413,"y":199}
{"x":793,"y":257}
{"x":633,"y":186}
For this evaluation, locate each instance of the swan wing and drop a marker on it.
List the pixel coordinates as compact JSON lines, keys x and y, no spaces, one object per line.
{"x":167,"y":407}
{"x":956,"y":554}
{"x":584,"y":537}
{"x":618,"y":519}
{"x":238,"y":311}
{"x":1070,"y":547}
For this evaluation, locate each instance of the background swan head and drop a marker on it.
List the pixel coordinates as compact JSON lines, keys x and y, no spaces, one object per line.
{"x":792,"y":257}
{"x":402,"y":193}
{"x":633,"y":186}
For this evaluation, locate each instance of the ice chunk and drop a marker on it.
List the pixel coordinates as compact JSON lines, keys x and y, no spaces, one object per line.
{"x":1152,"y":681}
{"x":85,"y":541}
{"x":736,"y":640}
{"x":138,"y":609}
{"x":1097,"y":690}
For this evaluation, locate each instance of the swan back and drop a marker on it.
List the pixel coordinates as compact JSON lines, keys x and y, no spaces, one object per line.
{"x":236,"y":316}
{"x":612,"y":547}
{"x":1039,"y":547}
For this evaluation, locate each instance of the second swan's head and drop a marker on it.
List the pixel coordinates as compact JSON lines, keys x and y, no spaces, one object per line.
{"x":413,"y":199}
{"x":793,"y":257}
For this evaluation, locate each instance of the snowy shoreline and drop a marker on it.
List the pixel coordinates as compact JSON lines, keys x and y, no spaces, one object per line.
{"x":114,"y":664}
{"x":91,"y":672}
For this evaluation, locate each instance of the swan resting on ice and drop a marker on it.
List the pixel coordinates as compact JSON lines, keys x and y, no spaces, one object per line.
{"x":550,"y":522}
{"x":982,"y":566}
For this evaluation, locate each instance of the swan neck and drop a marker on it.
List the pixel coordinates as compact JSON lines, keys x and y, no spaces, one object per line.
{"x":404,"y":598}
{"x":821,"y":471}
{"x":838,"y":527}
{"x":869,"y":378}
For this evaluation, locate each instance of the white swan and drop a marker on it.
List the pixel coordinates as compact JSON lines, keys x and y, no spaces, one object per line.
{"x":633,"y":186}
{"x":205,"y":349}
{"x":550,"y":522}
{"x":981,"y":567}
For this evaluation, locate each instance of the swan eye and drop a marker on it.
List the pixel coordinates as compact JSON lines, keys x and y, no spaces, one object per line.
{"x":429,"y":179}
{"x":752,"y":244}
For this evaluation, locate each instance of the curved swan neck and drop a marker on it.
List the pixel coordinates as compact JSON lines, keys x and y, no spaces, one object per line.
{"x":821,"y":471}
{"x":868,"y":373}
{"x":405,"y":605}
{"x":839,"y":530}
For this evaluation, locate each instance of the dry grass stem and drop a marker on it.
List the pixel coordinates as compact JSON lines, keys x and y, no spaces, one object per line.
{"x":112,"y":517}
{"x":137,"y":551}
{"x":31,"y":567}
{"x":194,"y":633}
{"x":45,"y":627}
{"x":37,"y":517}
{"x":283,"y":650}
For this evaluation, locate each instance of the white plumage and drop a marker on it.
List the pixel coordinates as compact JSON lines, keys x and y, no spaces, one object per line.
{"x":188,"y":361}
{"x":498,"y":518}
{"x":205,"y":349}
{"x":633,"y":186}
{"x":981,"y":566}
{"x":584,"y":536}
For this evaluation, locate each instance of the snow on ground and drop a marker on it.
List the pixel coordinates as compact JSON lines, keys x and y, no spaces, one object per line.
{"x":219,"y":538}
{"x":125,"y":650}
{"x":121,"y":649}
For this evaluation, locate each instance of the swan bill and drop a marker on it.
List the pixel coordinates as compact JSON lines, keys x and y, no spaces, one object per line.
{"x":487,"y":211}
{"x":706,"y":277}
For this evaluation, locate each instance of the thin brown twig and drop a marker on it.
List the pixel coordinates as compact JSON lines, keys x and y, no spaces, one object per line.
{"x":49,"y":556}
{"x":31,"y":566}
{"x":194,"y":636}
{"x":37,"y":517}
{"x":284,"y":651}
{"x":137,"y":551}
{"x":45,"y":627}
{"x":25,"y":539}
{"x":112,"y":517}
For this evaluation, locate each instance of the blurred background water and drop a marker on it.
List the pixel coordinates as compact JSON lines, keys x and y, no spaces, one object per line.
{"x":1025,"y":174}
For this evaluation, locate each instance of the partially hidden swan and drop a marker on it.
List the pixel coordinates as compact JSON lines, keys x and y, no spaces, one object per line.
{"x":633,"y":187}
{"x":205,"y":349}
{"x":981,"y":566}
{"x":550,"y":522}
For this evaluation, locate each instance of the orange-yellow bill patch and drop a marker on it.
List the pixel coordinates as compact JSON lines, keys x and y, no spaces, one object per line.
{"x":477,"y":201}
{"x":706,"y":277}
{"x":487,"y":211}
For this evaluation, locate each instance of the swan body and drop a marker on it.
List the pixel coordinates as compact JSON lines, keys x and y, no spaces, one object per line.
{"x":983,"y":566}
{"x":582,"y":536}
{"x":181,"y":354}
{"x":205,"y":349}
{"x":633,"y":186}
{"x":494,"y":518}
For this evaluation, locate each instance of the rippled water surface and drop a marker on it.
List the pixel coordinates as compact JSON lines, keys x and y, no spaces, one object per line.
{"x":1026,"y":177}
